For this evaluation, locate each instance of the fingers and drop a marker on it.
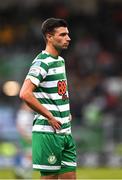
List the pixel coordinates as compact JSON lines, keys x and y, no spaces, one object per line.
{"x":55,"y":124}
{"x":59,"y":123}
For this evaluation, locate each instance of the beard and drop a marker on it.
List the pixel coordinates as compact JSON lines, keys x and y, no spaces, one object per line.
{"x":59,"y":48}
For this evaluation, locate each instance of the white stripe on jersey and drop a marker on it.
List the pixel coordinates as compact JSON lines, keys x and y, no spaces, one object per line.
{"x":54,"y":96}
{"x":60,"y":108}
{"x":46,"y":128}
{"x":62,"y":120}
{"x":58,"y":70}
{"x":33,"y":80}
{"x":48,"y":60}
{"x":49,"y":84}
{"x":40,"y":70}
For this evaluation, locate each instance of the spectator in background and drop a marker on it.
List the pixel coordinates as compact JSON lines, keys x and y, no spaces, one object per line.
{"x":24,"y":126}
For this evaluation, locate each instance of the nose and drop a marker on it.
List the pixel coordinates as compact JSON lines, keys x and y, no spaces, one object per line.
{"x":68,"y":38}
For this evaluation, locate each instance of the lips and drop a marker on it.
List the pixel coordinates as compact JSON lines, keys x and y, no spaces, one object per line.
{"x":66,"y":44}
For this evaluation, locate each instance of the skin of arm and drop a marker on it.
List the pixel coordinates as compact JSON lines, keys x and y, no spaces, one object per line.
{"x":26,"y":94}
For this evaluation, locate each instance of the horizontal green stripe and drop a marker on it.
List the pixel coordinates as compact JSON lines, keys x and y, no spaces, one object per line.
{"x":42,"y":56}
{"x":55,"y":77}
{"x":42,"y":65}
{"x":45,"y":122}
{"x":61,"y":114}
{"x":55,"y":102}
{"x":56,"y":64}
{"x":48,"y":90}
{"x":45,"y":55}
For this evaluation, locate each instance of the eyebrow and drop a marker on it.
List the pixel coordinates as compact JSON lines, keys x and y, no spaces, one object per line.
{"x":64,"y":33}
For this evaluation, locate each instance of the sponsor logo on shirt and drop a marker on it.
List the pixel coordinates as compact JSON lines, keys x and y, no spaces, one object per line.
{"x":62,"y":87}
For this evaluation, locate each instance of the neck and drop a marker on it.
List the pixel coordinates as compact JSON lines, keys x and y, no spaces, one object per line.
{"x":52,"y":50}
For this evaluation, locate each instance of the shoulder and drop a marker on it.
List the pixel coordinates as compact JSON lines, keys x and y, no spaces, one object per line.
{"x":40,"y":60}
{"x":61,"y":58}
{"x":40,"y":57}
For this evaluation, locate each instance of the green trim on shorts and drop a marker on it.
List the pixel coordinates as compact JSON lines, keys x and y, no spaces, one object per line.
{"x":61,"y":171}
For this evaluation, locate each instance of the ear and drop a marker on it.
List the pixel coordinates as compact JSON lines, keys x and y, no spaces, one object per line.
{"x":49,"y":36}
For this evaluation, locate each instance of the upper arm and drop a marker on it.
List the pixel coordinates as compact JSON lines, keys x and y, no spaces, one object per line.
{"x":27,"y":87}
{"x":37,"y":72}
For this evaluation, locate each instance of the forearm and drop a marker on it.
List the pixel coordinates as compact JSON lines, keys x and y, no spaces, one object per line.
{"x":27,"y":95}
{"x":34,"y":104}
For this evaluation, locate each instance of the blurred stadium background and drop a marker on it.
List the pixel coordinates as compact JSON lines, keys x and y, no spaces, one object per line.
{"x":94,"y":71}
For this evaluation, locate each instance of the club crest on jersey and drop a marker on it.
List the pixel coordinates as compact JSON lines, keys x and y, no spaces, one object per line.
{"x":54,"y":70}
{"x":52,"y":159}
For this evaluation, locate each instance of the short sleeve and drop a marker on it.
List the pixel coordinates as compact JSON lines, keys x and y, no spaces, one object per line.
{"x":37,"y":72}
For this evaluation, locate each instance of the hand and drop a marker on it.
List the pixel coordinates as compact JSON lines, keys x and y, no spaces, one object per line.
{"x":54,"y":123}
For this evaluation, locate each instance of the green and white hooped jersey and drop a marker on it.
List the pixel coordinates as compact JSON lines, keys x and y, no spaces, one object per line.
{"x":48,"y":74}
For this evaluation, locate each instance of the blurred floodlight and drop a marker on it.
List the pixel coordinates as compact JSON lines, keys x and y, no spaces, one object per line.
{"x":11,"y":88}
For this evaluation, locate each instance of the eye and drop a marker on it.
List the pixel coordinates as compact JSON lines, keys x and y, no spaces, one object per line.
{"x":63,"y":34}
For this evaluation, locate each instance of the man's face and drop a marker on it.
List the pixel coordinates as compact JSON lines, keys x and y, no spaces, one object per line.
{"x":60,"y":38}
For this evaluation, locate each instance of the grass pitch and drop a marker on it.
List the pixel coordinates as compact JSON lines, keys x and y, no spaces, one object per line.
{"x":82,"y":173}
